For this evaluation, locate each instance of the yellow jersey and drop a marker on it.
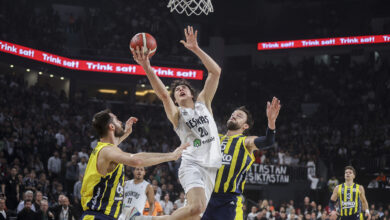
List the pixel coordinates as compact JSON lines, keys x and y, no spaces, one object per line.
{"x":349,"y":199}
{"x":236,"y":161}
{"x":102,"y":193}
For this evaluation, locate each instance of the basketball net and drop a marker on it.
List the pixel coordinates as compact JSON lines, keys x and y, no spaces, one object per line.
{"x":191,"y":7}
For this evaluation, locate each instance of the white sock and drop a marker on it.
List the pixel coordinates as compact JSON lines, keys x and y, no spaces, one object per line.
{"x":143,"y":217}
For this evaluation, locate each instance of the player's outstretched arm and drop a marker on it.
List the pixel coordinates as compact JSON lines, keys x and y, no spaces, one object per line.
{"x":254,"y":142}
{"x":364,"y":202}
{"x":143,"y":159}
{"x":332,"y":204}
{"x":211,"y":85}
{"x":158,"y":86}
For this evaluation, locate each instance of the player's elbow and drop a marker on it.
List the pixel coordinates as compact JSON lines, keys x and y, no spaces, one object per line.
{"x":135,"y":162}
{"x":216,"y":71}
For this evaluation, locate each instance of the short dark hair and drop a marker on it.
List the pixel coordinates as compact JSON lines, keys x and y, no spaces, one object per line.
{"x":181,"y":82}
{"x":350,"y":168}
{"x":249,"y":118}
{"x":27,"y":200}
{"x":100,"y":122}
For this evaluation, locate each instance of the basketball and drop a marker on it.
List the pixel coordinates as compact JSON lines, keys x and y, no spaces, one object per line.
{"x":144,"y":41}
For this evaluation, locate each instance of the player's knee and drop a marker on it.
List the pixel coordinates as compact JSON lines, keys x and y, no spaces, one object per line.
{"x":197,"y":208}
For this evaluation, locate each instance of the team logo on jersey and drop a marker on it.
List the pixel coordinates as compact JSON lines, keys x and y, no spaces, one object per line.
{"x":119,"y":189}
{"x":197,"y":143}
{"x":348,"y":196}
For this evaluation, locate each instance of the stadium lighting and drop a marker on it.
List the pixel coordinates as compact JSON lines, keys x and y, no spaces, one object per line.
{"x":28,"y":70}
{"x":40,"y":73}
{"x":109,"y":91}
{"x":62,"y":78}
{"x":143,"y":85}
{"x":51,"y":75}
{"x":144,"y":93}
{"x":12,"y":66}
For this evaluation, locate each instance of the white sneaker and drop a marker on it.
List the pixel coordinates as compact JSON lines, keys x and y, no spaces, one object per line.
{"x":128,"y":213}
{"x":133,"y":213}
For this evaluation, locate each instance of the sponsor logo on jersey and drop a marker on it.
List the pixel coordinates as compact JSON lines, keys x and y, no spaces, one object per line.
{"x":132,"y":193}
{"x":348,"y":205}
{"x":197,"y":143}
{"x":226,"y":159}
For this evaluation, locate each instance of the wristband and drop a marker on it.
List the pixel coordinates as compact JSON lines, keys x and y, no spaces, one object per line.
{"x":367,"y":211}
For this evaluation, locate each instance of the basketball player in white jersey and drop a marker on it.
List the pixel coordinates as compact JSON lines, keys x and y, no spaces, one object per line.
{"x":194,"y":123}
{"x":136,"y":192}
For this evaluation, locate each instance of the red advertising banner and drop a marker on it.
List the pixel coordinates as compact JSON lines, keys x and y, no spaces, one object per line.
{"x":322,"y":42}
{"x":96,"y":66}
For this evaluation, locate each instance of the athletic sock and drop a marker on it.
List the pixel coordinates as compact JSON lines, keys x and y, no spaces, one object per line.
{"x":143,"y":217}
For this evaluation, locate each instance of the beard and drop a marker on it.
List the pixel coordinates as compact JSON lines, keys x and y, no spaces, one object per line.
{"x":119,"y":132}
{"x":232,"y":125}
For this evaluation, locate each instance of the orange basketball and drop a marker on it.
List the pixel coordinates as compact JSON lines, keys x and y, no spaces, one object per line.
{"x":144,"y":41}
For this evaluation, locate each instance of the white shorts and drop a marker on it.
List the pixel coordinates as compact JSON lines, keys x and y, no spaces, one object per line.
{"x":192,"y":175}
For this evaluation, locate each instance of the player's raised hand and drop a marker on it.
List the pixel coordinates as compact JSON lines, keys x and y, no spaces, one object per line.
{"x":177,"y":153}
{"x":273,"y":109}
{"x":191,"y":42}
{"x":141,"y":57}
{"x":129,"y":124}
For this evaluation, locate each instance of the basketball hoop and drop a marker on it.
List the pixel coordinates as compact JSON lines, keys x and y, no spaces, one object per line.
{"x":191,"y":7}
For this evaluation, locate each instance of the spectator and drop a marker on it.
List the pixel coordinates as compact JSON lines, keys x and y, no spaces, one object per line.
{"x":381,"y":179}
{"x":10,"y":187}
{"x":38,"y":199}
{"x":252,"y":215}
{"x":83,"y":153}
{"x":82,"y":165}
{"x":60,"y":137}
{"x":77,"y":190}
{"x":64,"y":211}
{"x":27,"y":196}
{"x":3,"y":213}
{"x":30,"y":182}
{"x":167,"y":205}
{"x":180,"y":202}
{"x":262,"y":215}
{"x":157,"y":209}
{"x":306,"y":207}
{"x":44,"y":213}
{"x":26,"y":213}
{"x":54,"y":164}
{"x":292,"y":215}
{"x":43,"y":184}
{"x":72,"y":173}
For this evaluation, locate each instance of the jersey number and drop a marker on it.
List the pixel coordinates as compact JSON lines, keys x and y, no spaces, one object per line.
{"x":129,"y":200}
{"x":203,"y":132}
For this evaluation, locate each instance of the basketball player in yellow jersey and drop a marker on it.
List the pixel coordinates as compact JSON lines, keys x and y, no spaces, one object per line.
{"x":237,"y":150}
{"x":102,"y":188}
{"x":352,"y":198}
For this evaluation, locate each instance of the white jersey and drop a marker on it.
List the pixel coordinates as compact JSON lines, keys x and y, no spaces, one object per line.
{"x":135,"y":195}
{"x":197,"y":127}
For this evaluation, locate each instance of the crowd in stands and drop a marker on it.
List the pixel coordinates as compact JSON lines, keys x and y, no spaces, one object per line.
{"x":306,"y":210}
{"x":32,"y":25}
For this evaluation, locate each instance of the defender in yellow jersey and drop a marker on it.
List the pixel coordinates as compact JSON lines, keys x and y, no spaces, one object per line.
{"x":102,"y":188}
{"x":351,"y":198}
{"x":237,"y":150}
